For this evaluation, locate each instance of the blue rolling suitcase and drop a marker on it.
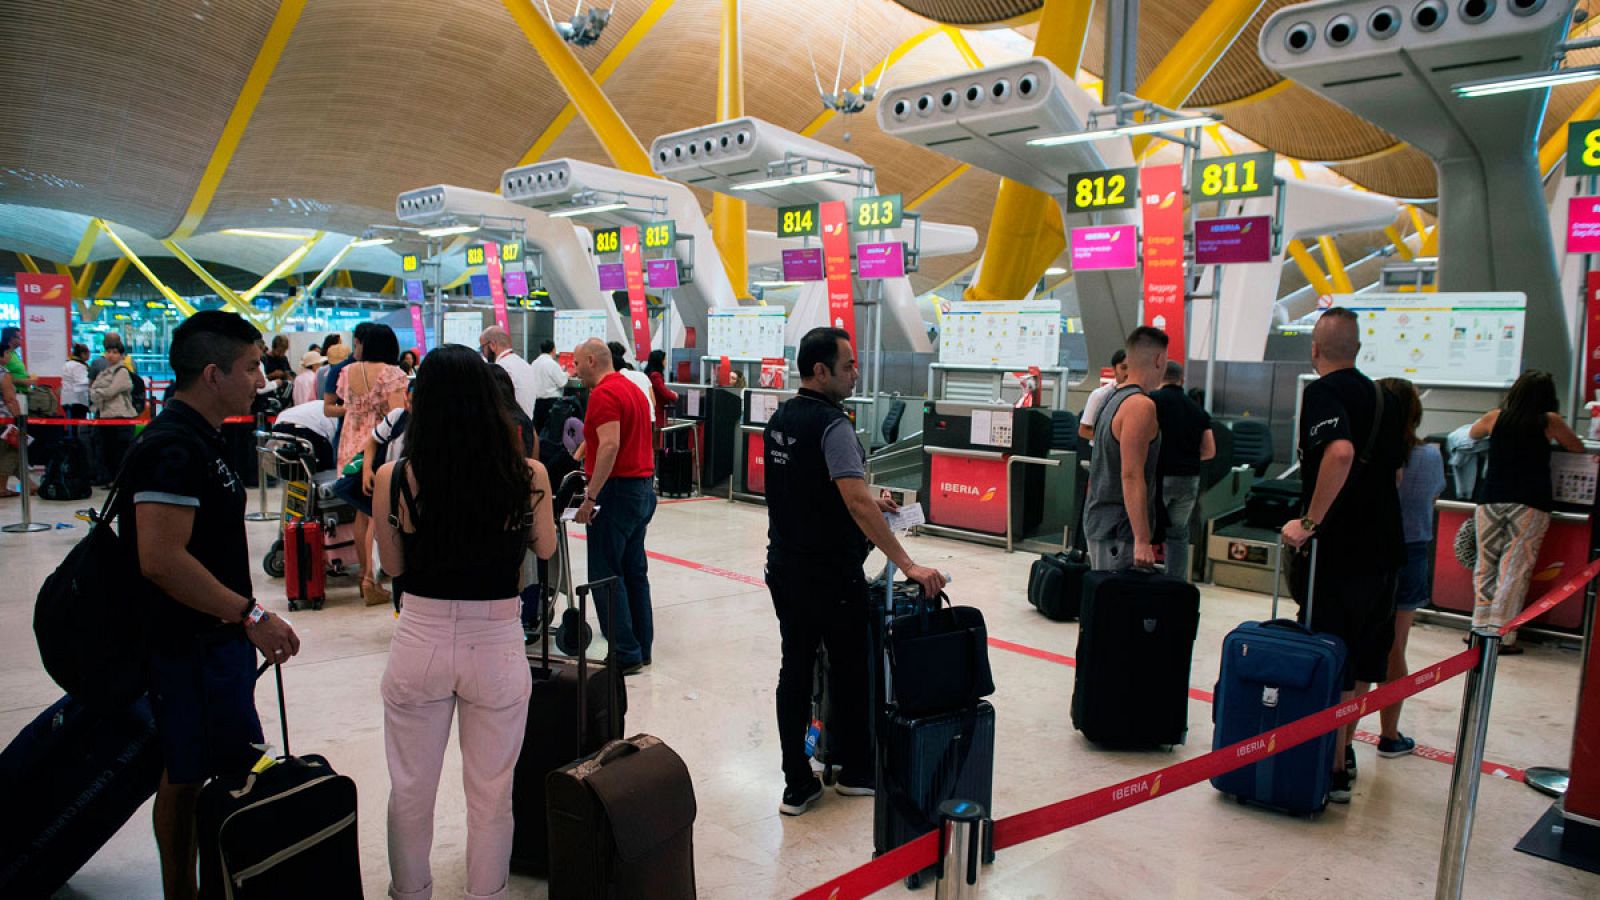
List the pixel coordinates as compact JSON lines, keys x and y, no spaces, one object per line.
{"x":1272,"y":674}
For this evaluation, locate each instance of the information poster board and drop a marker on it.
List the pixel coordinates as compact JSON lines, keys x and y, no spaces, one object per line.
{"x":574,"y":326}
{"x":1455,"y":338}
{"x":45,"y":302}
{"x":1002,"y":333}
{"x":463,"y":328}
{"x":747,"y":332}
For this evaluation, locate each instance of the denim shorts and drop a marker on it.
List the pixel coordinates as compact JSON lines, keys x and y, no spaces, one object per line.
{"x":203,"y":697}
{"x":1413,"y":586}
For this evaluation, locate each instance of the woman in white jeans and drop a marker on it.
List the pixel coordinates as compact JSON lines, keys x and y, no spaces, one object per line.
{"x":453,"y":521}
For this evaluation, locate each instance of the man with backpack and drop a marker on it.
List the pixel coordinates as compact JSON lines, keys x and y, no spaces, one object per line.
{"x":181,"y":509}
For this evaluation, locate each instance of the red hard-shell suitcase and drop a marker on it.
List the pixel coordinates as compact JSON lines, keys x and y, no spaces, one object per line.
{"x":305,"y":555}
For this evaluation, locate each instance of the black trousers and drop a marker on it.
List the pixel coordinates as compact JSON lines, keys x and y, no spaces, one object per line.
{"x":541,"y":412}
{"x":827,"y":606}
{"x":112,"y":442}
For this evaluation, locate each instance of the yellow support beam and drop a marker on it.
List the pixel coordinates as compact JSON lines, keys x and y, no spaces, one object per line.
{"x":74,"y":296}
{"x":85,"y":244}
{"x":388,"y":286}
{"x":230,"y":298}
{"x":80,"y":288}
{"x":1430,"y":241}
{"x":1217,"y":137}
{"x":28,"y":263}
{"x":342,"y":279}
{"x":614,"y":60}
{"x":255,"y":84}
{"x":113,"y":279}
{"x":962,"y":46}
{"x":1191,"y":59}
{"x":730,"y":221}
{"x":280,"y":269}
{"x":1555,"y":148}
{"x":1308,"y":266}
{"x":615,"y":136}
{"x":939,"y":185}
{"x":1026,"y":232}
{"x":171,"y":295}
{"x":463,"y":278}
{"x":1417,"y":221}
{"x":1400,"y":245}
{"x":1335,"y":263}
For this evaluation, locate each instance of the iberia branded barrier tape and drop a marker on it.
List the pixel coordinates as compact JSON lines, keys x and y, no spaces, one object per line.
{"x":231,"y":420}
{"x":1045,"y":820}
{"x":1554,"y":598}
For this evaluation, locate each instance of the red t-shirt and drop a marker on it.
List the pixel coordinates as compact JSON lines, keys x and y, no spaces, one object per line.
{"x":615,"y":399}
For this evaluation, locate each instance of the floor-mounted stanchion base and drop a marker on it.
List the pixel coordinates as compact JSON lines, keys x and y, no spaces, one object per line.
{"x":262,"y":516}
{"x":1562,"y":840}
{"x":25,"y":527}
{"x":1548,"y":780}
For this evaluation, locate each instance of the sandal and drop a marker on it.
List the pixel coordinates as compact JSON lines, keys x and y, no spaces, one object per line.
{"x":373,"y":594}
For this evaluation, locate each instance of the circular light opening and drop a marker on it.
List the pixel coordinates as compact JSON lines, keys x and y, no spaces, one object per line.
{"x":1428,"y":15}
{"x":1525,"y":7}
{"x":1476,"y":12}
{"x":901,"y":108}
{"x":1001,"y":89}
{"x":1300,"y":37}
{"x":975,"y":94}
{"x":947,"y":100}
{"x":1026,"y":84}
{"x":1341,"y":30}
{"x":1384,"y":22}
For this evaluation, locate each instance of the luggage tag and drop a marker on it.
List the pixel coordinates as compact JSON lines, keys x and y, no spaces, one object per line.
{"x":905,"y":518}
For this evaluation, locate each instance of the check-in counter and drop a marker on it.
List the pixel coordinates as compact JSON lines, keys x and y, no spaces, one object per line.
{"x":750,"y":476}
{"x":715,"y":411}
{"x":984,"y":460}
{"x":1565,"y":551}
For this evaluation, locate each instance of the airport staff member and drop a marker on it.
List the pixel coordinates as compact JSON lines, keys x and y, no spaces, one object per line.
{"x":187,"y":524}
{"x":1350,"y":502}
{"x":496,"y":346}
{"x":549,"y":382}
{"x":822,"y":521}
{"x":1119,"y":519}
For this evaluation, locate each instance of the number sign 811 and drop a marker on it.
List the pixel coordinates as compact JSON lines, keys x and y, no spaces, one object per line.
{"x":1229,"y":177}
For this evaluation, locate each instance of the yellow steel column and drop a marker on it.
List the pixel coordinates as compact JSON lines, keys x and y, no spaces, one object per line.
{"x":729,"y":222}
{"x":1335,"y":263}
{"x":1026,"y":232}
{"x":1400,"y":245}
{"x":113,"y":279}
{"x":171,"y":295}
{"x":230,"y":298}
{"x":28,"y":263}
{"x":1308,"y":267}
{"x":278,"y":270}
{"x":73,"y":294}
{"x":1189,"y":60}
{"x":602,"y":118}
{"x":85,"y":244}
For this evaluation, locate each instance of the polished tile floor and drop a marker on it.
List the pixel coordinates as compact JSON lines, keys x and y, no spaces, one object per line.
{"x":709,"y":695}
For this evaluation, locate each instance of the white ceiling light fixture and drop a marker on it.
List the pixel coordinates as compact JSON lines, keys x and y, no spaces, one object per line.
{"x":803,"y":178}
{"x":371,"y":242}
{"x":447,"y":230}
{"x":587,"y":210}
{"x":1055,"y":270}
{"x":777,"y":284}
{"x":1082,"y":137}
{"x":1492,"y":86}
{"x":259,"y":233}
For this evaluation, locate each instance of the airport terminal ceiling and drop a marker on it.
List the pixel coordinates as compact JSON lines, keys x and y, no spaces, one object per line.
{"x":134,"y":113}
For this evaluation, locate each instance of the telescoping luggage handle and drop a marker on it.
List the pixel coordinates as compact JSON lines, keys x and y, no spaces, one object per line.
{"x":1277,"y":578}
{"x":283,"y":711}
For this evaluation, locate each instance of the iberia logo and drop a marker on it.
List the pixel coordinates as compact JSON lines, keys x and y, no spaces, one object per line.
{"x":987,"y":496}
{"x":1363,"y":706}
{"x":1155,"y":787}
{"x":955,"y":487}
{"x":1272,"y":745}
{"x":1159,"y":201}
{"x":1247,"y":227}
{"x":53,"y":292}
{"x":1550,"y":572}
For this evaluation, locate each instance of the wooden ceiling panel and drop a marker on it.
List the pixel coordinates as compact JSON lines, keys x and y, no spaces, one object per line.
{"x":1298,"y":123}
{"x":1407,"y":173}
{"x":971,"y":12}
{"x":119,"y":114}
{"x":967,"y":201}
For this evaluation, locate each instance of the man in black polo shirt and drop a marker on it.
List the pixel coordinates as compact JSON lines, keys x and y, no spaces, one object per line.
{"x":188,"y":528}
{"x":1186,"y":442}
{"x":1350,"y":503}
{"x":822,"y":522}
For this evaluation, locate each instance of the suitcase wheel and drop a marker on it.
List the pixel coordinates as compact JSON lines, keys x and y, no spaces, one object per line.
{"x":317,"y":603}
{"x":294,"y":606}
{"x":273,"y":562}
{"x":828,"y":777}
{"x":914,"y":880}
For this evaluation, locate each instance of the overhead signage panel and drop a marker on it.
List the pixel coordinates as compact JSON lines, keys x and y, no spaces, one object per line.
{"x":414,"y":290}
{"x":1219,"y":242}
{"x":1161,"y":209}
{"x":836,"y":263}
{"x":873,"y":213}
{"x":612,"y":277}
{"x":409,"y":263}
{"x":797,"y":221}
{"x":661,"y":273}
{"x":803,"y":264}
{"x":660,"y":235}
{"x":1583,"y":148}
{"x":1105,"y":247}
{"x":1583,"y":225}
{"x":887,"y":260}
{"x":1232,"y":177}
{"x":607,"y":240}
{"x":1103,"y":190}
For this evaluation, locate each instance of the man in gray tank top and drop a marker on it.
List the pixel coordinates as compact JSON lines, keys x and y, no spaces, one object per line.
{"x":1119,"y":519}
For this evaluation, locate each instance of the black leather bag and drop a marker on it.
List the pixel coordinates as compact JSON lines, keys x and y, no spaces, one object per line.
{"x":939,"y":659}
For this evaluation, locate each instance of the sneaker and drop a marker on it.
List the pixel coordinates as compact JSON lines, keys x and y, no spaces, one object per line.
{"x":797,"y":800}
{"x":1339,"y":788}
{"x":1350,"y":761}
{"x":1400,"y":746}
{"x":851,"y":784}
{"x":634,"y":669}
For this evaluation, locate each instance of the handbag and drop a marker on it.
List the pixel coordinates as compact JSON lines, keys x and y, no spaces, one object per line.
{"x":939,"y":658}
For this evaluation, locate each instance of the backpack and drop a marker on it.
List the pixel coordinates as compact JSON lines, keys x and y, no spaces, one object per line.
{"x":66,"y":477}
{"x":138,"y":396}
{"x":89,"y":643}
{"x":556,"y":425}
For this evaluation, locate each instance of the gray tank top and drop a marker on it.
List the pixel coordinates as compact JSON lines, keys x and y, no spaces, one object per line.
{"x":1105,"y":518}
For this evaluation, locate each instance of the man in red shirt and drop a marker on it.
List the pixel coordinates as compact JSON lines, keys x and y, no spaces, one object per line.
{"x":619,"y":502}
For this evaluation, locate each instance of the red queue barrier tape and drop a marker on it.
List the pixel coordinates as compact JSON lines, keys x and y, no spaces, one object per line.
{"x":1554,"y":598}
{"x":1074,"y":811}
{"x":1448,"y":757}
{"x":231,"y":420}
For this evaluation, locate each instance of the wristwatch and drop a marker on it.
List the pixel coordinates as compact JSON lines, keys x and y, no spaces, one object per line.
{"x":1309,"y":523}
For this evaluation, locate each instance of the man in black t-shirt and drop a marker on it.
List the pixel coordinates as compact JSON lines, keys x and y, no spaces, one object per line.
{"x":1186,"y":442}
{"x":1350,"y":504}
{"x":181,"y":508}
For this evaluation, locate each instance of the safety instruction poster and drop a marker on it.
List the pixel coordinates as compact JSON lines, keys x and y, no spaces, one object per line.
{"x":1453,"y":338}
{"x":574,"y":326}
{"x":745,"y":332}
{"x":1010,"y":333}
{"x":463,"y":328}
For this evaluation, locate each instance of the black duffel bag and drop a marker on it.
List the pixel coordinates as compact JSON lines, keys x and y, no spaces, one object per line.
{"x":939,"y":658}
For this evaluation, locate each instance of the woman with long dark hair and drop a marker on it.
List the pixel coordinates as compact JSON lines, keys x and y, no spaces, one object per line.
{"x":453,"y":520}
{"x":662,"y":396}
{"x":1515,"y":514}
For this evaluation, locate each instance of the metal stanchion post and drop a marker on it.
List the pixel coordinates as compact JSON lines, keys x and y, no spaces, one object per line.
{"x":1475,"y":700}
{"x":27,"y":524}
{"x":962,"y":824}
{"x":261,"y":514}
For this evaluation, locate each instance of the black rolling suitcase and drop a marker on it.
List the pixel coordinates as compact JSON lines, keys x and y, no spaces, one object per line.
{"x":1271,"y":504}
{"x":1135,"y":642}
{"x":287,"y":830}
{"x":71,"y":778}
{"x":557,"y":734}
{"x":925,"y":761}
{"x":675,"y":472}
{"x":1055,"y":584}
{"x":622,"y":824}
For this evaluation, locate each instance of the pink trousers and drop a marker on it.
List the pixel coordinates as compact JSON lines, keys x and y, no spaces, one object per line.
{"x":448,"y":659}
